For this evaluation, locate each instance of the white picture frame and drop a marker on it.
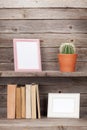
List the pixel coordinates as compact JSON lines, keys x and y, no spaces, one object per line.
{"x":63,"y":105}
{"x":27,"y":57}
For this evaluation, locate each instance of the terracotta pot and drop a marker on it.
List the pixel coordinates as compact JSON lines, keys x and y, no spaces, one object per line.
{"x":67,"y":62}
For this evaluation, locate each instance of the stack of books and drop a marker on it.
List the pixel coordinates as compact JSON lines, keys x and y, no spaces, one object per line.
{"x":23,"y":102}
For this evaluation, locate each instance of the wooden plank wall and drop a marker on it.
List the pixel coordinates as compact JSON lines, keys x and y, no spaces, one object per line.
{"x":53,"y":22}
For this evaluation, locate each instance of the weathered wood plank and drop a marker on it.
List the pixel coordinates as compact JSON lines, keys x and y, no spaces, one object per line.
{"x":52,"y":66}
{"x":12,"y":128}
{"x":45,"y":128}
{"x":3,"y":112}
{"x":6,"y":66}
{"x":46,"y":40}
{"x":7,"y":54}
{"x":83,"y":112}
{"x":51,"y":54}
{"x":3,"y":100}
{"x":67,"y":85}
{"x":60,"y":128}
{"x":64,"y":89}
{"x":3,"y":89}
{"x":80,"y":66}
{"x":45,"y":3}
{"x":43,"y":26}
{"x":44,"y":122}
{"x":51,"y":84}
{"x":41,"y":74}
{"x":47,"y":54}
{"x":43,"y":13}
{"x":75,"y":128}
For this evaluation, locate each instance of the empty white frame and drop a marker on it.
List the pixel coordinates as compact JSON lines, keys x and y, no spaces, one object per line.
{"x":63,"y":105}
{"x":27,"y":55}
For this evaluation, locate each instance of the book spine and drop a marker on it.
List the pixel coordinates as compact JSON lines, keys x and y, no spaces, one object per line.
{"x":23,"y":102}
{"x":18,"y":102}
{"x":11,"y":90}
{"x":33,"y":101}
{"x":38,"y":102}
{"x":28,"y":101}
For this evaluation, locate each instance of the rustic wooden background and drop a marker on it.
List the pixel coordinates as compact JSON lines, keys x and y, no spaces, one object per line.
{"x":53,"y":22}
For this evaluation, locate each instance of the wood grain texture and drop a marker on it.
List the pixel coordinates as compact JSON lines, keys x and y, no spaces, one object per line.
{"x":47,"y":54}
{"x":45,"y":74}
{"x":44,"y":96}
{"x":3,"y":100}
{"x":6,"y":66}
{"x":43,"y":26}
{"x":51,"y":66}
{"x":45,"y":3}
{"x":3,"y":89}
{"x":44,"y":128}
{"x":79,"y":82}
{"x":46,"y":40}
{"x":53,"y":22}
{"x":3,"y":112}
{"x":43,"y":13}
{"x":48,"y":123}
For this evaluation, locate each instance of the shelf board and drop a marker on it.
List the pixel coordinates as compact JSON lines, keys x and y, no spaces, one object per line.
{"x":42,"y":74}
{"x":44,"y":124}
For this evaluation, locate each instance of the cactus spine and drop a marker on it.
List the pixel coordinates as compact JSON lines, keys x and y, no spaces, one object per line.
{"x":67,"y":48}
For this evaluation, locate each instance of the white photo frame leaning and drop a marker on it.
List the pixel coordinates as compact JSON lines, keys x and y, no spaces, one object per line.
{"x":63,"y":105}
{"x":27,"y":55}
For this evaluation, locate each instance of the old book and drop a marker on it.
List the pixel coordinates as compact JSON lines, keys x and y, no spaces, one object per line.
{"x":18,"y":102}
{"x":11,"y":89}
{"x":38,"y":102}
{"x":23,"y":102}
{"x":28,"y":101}
{"x":33,"y":101}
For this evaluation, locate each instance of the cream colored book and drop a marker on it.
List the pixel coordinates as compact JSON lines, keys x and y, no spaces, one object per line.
{"x":28,"y":100}
{"x":11,"y":90}
{"x":33,"y":101}
{"x":23,"y":102}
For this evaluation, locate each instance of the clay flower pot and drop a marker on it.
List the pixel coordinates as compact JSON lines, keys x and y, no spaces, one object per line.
{"x":67,"y":62}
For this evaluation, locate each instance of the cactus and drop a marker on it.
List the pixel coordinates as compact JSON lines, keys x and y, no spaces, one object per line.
{"x":67,"y":48}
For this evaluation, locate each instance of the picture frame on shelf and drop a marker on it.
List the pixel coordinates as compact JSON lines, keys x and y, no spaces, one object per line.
{"x":63,"y":105}
{"x":27,"y":57}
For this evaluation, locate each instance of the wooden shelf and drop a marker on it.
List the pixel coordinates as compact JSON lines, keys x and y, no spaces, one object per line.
{"x":49,"y":124}
{"x":42,"y":74}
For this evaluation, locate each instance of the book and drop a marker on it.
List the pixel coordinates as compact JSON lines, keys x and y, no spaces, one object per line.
{"x":11,"y":90}
{"x":38,"y":102}
{"x":23,"y":102}
{"x":33,"y":101}
{"x":18,"y":102}
{"x":28,"y":100}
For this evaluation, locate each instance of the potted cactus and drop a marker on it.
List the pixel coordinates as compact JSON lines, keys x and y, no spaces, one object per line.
{"x":67,"y":57}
